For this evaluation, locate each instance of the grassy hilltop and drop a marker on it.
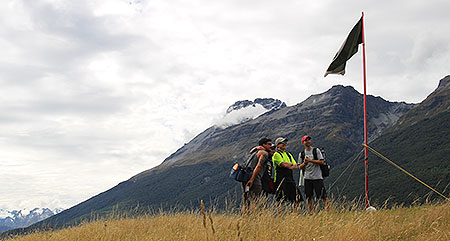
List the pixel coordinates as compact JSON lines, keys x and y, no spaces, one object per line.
{"x":427,"y":222}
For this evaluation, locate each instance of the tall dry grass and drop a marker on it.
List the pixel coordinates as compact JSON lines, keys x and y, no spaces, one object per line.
{"x":426,"y":222}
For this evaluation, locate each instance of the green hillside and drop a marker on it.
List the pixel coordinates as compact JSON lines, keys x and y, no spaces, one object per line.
{"x":418,"y":142}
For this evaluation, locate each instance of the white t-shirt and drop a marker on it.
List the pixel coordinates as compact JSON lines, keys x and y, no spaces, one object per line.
{"x":312,"y":170}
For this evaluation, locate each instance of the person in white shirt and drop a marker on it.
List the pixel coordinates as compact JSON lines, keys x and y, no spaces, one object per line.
{"x":313,"y":174}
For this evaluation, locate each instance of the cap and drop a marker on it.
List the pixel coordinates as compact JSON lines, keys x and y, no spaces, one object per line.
{"x":305,"y":138}
{"x":279,"y":140}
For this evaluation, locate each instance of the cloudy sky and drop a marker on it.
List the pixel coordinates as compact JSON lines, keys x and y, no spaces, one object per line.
{"x":93,"y":92}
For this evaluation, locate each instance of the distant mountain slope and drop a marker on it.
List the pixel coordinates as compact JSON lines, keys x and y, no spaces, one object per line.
{"x":419,"y":142}
{"x":199,"y":170}
{"x":4,"y":228}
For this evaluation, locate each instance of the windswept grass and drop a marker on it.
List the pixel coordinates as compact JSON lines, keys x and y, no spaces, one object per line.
{"x":427,"y":222}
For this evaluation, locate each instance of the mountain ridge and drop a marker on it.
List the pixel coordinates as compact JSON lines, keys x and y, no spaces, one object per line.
{"x":202,"y":174}
{"x":24,"y":217}
{"x":436,"y":101}
{"x":269,"y":104}
{"x":418,"y":142}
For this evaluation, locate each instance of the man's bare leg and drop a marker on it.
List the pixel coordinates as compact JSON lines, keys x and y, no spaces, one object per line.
{"x":310,"y":205}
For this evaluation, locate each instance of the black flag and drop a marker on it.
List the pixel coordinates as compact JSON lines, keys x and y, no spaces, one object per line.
{"x":347,"y":50}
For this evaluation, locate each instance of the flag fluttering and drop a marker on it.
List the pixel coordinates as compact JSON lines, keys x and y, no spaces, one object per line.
{"x":347,"y":50}
{"x":337,"y":66}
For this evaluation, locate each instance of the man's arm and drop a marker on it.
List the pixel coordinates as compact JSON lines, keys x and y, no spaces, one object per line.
{"x":289,"y":165}
{"x":260,"y":155}
{"x":256,"y":148}
{"x":303,"y":165}
{"x":319,"y":162}
{"x":319,"y":156}
{"x":278,"y":161}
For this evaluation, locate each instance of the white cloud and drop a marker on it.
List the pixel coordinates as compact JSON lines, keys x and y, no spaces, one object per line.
{"x":240,"y":115}
{"x":93,"y":92}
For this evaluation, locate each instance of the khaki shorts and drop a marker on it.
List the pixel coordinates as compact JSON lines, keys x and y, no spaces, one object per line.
{"x":252,"y":195}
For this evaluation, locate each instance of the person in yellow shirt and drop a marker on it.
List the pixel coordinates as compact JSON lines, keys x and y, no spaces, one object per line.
{"x":284,"y":163}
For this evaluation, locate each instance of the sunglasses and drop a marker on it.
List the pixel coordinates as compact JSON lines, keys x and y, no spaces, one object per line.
{"x":283,"y":142}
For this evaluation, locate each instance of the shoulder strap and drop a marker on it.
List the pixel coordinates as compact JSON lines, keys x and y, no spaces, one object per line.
{"x":279,"y":152}
{"x":315,"y":153}
{"x":247,"y":162}
{"x":289,"y":155}
{"x":302,"y":155}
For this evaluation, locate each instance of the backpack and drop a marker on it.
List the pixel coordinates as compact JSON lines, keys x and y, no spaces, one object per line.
{"x":267,"y":178}
{"x":325,"y":168}
{"x":242,"y":172}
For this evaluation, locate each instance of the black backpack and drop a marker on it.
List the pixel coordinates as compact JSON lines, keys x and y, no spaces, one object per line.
{"x":242,"y":172}
{"x":325,"y":168}
{"x":267,"y":178}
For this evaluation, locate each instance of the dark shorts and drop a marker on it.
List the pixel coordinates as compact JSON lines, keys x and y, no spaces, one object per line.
{"x":317,"y":186}
{"x":288,"y":192}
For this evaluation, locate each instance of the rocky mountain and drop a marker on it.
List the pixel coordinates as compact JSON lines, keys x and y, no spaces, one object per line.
{"x":418,"y":142}
{"x":267,"y":103}
{"x":24,"y":218}
{"x":239,"y":112}
{"x":199,"y":170}
{"x":333,"y":117}
{"x":245,"y":110}
{"x":436,"y":103}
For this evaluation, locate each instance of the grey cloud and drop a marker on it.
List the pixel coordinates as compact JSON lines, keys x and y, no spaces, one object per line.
{"x":427,"y":51}
{"x":179,"y":64}
{"x":85,"y":104}
{"x":19,"y":74}
{"x":50,"y":105}
{"x":64,"y":39}
{"x":78,"y":26}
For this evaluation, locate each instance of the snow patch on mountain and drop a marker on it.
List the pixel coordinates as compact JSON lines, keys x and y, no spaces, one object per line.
{"x":4,"y":214}
{"x":239,"y":112}
{"x":245,"y":110}
{"x":241,"y":115}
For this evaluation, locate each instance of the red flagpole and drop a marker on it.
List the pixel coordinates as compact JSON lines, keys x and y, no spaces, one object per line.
{"x":365,"y":111}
